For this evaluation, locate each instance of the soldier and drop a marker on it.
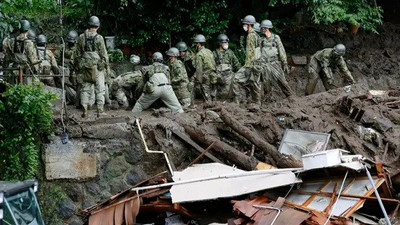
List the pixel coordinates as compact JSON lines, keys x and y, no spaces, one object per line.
{"x":19,"y":50}
{"x":48,"y":66}
{"x":205,"y":77}
{"x":92,"y":60}
{"x":179,"y":77}
{"x":227,"y":64}
{"x":247,"y":75}
{"x":32,"y":35}
{"x":321,"y":65}
{"x":273,"y":60}
{"x":127,"y":84}
{"x":157,"y":86}
{"x":186,"y":56}
{"x":68,"y":67}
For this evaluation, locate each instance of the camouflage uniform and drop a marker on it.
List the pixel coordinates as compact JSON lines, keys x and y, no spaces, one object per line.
{"x":123,"y":86}
{"x":188,"y":62}
{"x":227,"y":64}
{"x":273,"y":63}
{"x":205,"y":76}
{"x":180,"y":82}
{"x":99,"y":47}
{"x":20,"y":44}
{"x":320,"y":66}
{"x":48,"y":66}
{"x":157,"y":86}
{"x":247,"y":75}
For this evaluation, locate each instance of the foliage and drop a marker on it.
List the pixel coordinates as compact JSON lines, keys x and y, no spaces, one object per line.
{"x":352,"y":12}
{"x":115,"y":55}
{"x":26,"y":115}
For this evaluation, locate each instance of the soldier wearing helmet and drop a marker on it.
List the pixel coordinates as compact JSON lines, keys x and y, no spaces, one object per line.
{"x":273,"y":61}
{"x":205,"y":77}
{"x":321,"y":65}
{"x":91,"y":59}
{"x":227,"y":64}
{"x":48,"y":65}
{"x":179,"y":77}
{"x":246,"y":76}
{"x":157,"y":85}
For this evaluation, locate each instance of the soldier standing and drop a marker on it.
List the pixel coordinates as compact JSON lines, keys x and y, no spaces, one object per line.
{"x":247,"y":75}
{"x":179,"y":77}
{"x":227,"y":64}
{"x":48,"y":66}
{"x":273,"y":60}
{"x":205,"y":77}
{"x":92,"y":60}
{"x":321,"y":65}
{"x":157,"y":86}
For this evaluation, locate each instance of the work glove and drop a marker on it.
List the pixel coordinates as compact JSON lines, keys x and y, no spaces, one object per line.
{"x":286,"y":69}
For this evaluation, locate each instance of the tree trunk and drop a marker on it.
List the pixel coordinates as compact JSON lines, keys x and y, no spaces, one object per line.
{"x":281,"y":160}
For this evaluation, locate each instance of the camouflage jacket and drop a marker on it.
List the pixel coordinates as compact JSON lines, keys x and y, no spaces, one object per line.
{"x":20,"y":44}
{"x":188,"y":62}
{"x":252,"y":42}
{"x":68,"y":55}
{"x":227,"y":57}
{"x":83,"y":45}
{"x":272,"y":49}
{"x":156,"y":67}
{"x":327,"y":60}
{"x":179,"y":79}
{"x":47,"y":58}
{"x":205,"y":66}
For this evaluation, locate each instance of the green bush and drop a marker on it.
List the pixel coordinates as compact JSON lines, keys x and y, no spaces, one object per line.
{"x":25,"y":116}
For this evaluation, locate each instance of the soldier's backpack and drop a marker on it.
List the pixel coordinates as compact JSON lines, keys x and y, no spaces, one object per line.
{"x":90,"y":62}
{"x":45,"y":65}
{"x":149,"y":85}
{"x":19,"y":56}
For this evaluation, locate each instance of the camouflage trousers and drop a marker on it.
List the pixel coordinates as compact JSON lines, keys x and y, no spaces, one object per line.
{"x":314,"y":75}
{"x":224,"y":85}
{"x":273,"y":73}
{"x":99,"y":90}
{"x":165,"y":93}
{"x":246,"y":77}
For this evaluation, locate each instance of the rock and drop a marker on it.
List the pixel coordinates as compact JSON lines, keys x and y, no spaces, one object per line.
{"x":87,"y":203}
{"x":66,"y":208}
{"x":117,"y":185}
{"x":74,"y":191}
{"x":135,"y":176}
{"x":107,"y":131}
{"x":68,"y":161}
{"x":76,"y":221}
{"x":134,"y":154}
{"x":74,"y":131}
{"x":117,"y":146}
{"x":116,"y":167}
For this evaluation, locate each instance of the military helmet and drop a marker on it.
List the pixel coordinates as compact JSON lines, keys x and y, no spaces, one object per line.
{"x":94,"y":21}
{"x":172,"y":52}
{"x":339,"y":49}
{"x":31,"y":35}
{"x":223,"y":38}
{"x":257,"y":27}
{"x":181,"y":46}
{"x":199,"y":38}
{"x":72,"y":36}
{"x":249,"y":19}
{"x":266,"y":24}
{"x":41,"y":39}
{"x":25,"y":25}
{"x":157,"y":56}
{"x":134,"y":59}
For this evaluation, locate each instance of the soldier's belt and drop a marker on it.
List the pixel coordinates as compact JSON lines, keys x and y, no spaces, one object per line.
{"x":160,"y":85}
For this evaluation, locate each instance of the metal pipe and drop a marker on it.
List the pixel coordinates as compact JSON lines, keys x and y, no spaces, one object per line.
{"x":378,"y":197}
{"x":243,"y":174}
{"x":151,"y":151}
{"x":337,"y":199}
{"x":269,"y":207}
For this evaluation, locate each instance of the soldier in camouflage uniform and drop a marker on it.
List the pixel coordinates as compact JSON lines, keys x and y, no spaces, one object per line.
{"x":273,"y":60}
{"x":70,"y":81}
{"x":127,"y":84}
{"x":20,"y":51}
{"x":186,"y":56}
{"x":321,"y":65}
{"x":48,"y":66}
{"x":205,"y":77}
{"x":179,"y":77}
{"x":247,"y":75}
{"x":227,"y":65}
{"x":156,"y":78}
{"x":92,"y":60}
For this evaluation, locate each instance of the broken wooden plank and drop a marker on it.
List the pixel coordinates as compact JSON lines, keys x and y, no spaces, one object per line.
{"x":195,"y":146}
{"x":202,"y":154}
